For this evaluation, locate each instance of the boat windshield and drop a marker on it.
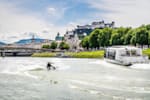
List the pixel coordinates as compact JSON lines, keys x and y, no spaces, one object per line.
{"x":130,"y":53}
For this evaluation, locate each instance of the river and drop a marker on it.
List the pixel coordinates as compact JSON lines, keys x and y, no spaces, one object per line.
{"x":26,"y":78}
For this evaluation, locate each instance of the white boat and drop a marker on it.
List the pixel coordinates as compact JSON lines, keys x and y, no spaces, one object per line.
{"x":125,"y":55}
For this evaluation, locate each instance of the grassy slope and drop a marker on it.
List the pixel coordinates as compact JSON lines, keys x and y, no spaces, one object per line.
{"x":86,"y":54}
{"x":44,"y":54}
{"x":147,"y":52}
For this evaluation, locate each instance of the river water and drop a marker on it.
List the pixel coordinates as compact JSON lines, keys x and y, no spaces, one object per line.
{"x":26,"y":78}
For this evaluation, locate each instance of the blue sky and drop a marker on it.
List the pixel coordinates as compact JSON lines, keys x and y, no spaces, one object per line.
{"x":44,"y":18}
{"x":56,"y":11}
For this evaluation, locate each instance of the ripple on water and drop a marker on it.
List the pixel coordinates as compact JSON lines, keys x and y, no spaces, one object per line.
{"x":78,"y":84}
{"x":101,"y":80}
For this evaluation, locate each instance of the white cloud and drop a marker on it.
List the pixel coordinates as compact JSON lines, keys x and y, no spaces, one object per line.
{"x":56,"y":13}
{"x":15,"y":24}
{"x":52,"y":11}
{"x":123,"y":12}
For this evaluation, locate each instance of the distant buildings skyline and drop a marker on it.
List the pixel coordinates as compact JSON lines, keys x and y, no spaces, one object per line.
{"x":84,"y":30}
{"x":74,"y":36}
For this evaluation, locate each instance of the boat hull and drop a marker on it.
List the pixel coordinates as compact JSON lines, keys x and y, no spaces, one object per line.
{"x":117,"y":62}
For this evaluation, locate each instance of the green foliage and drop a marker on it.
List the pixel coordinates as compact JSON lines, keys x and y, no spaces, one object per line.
{"x":128,"y":37}
{"x":106,"y":34}
{"x":53,"y":45}
{"x":46,"y":46}
{"x":149,"y":38}
{"x":133,"y":40}
{"x":118,"y":36}
{"x":101,"y":38}
{"x":93,"y":39}
{"x":64,"y":45}
{"x":115,"y":39}
{"x":85,"y":42}
{"x":141,"y":36}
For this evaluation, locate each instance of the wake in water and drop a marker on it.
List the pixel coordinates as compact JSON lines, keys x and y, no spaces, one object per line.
{"x":19,"y":67}
{"x":134,"y":66}
{"x":23,"y":67}
{"x":105,"y":63}
{"x":141,"y":66}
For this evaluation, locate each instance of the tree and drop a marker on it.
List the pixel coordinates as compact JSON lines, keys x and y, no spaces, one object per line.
{"x":104,"y":37}
{"x":119,"y":36}
{"x":149,"y":39}
{"x":115,"y":39}
{"x":133,"y":40}
{"x":53,"y":45}
{"x":64,"y":45}
{"x":101,"y":38}
{"x":85,"y":42}
{"x":141,"y":36}
{"x":46,"y":46}
{"x":93,"y":39}
{"x":128,"y":37}
{"x":148,"y":29}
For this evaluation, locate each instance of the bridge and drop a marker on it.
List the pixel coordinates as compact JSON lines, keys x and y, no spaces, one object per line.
{"x":20,"y":51}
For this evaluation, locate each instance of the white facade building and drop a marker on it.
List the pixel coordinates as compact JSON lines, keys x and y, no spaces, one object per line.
{"x":72,"y":40}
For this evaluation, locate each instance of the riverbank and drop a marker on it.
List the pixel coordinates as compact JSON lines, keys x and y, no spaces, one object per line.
{"x":83,"y":54}
{"x":44,"y":54}
{"x":86,"y":54}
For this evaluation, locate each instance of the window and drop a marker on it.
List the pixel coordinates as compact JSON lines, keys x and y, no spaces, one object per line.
{"x":111,"y":54}
{"x":133,"y":52}
{"x":128,"y":53}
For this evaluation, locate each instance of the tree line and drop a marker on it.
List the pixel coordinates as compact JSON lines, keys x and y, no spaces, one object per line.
{"x":117,"y":36}
{"x":63,"y":45}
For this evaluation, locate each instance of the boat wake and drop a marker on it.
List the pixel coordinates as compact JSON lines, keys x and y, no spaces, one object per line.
{"x":20,"y":74}
{"x":22,"y":69}
{"x":104,"y":63}
{"x":61,"y":66}
{"x":134,"y":66}
{"x":141,"y":66}
{"x":27,"y":67}
{"x":30,"y":75}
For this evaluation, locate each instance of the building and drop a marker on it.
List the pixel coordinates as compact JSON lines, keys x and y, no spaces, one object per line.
{"x":102,"y":25}
{"x":58,"y":38}
{"x":74,"y":37}
{"x":84,"y":30}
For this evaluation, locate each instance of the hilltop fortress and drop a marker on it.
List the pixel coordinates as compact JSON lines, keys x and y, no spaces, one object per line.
{"x":73,"y":37}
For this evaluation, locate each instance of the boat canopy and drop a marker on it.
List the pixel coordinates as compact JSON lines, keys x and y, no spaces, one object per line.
{"x":125,"y":51}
